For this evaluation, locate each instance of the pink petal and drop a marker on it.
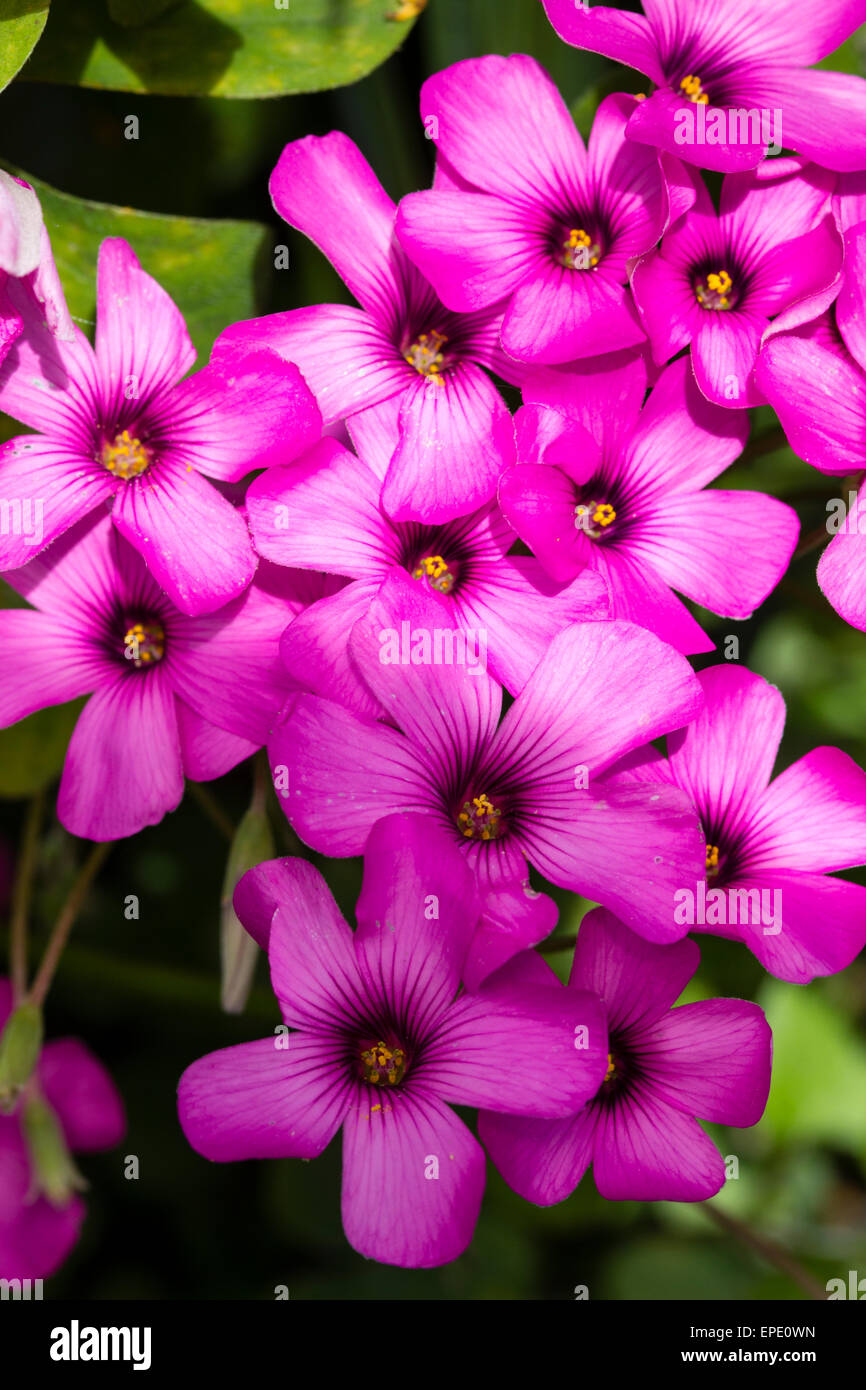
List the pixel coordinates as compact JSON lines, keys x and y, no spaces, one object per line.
{"x":82,"y":1095}
{"x":421,"y":1221}
{"x":194,"y":542}
{"x":142,"y":346}
{"x":264,"y":1099}
{"x":123,"y":766}
{"x":712,"y":1059}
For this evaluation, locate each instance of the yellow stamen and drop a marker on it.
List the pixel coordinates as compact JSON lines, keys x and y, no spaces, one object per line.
{"x":436,"y":571}
{"x":580,"y":252}
{"x":383,"y":1065}
{"x":611,"y":1068}
{"x":590,"y":515}
{"x":426,"y":356}
{"x":712,"y":859}
{"x":480,"y":819}
{"x":144,"y":644}
{"x":691,"y":88}
{"x":715,"y":292}
{"x":126,"y":457}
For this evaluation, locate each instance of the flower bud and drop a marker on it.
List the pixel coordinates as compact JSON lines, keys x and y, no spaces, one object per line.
{"x":20,"y":1046}
{"x":55,"y":1174}
{"x":252,"y":844}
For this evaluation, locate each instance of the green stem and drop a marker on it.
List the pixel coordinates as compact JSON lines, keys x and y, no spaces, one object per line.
{"x":21,"y":898}
{"x":65,"y":922}
{"x":212,"y":809}
{"x":767,"y":1249}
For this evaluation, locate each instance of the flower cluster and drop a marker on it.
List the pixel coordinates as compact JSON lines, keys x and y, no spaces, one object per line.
{"x":455,"y":618}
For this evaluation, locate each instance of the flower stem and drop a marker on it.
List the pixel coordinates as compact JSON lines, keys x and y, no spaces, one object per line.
{"x":21,"y":898}
{"x":65,"y":922}
{"x":767,"y":1249}
{"x":812,"y":541}
{"x":212,"y":810}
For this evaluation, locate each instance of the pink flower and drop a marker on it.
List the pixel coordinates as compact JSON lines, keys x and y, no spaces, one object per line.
{"x":736,"y":58}
{"x":170,"y":695}
{"x":719,"y":278}
{"x":118,"y":425}
{"x":772,"y":846}
{"x":404,"y":371}
{"x":608,"y":482}
{"x":522,"y":212}
{"x":384,"y":1042}
{"x":666,"y":1067}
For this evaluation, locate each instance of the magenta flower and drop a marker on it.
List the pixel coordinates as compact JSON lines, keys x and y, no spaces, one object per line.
{"x":771,"y":846}
{"x":530,"y":788}
{"x":118,"y":425}
{"x":384,"y":1044}
{"x":324,"y":512}
{"x":818,"y":390}
{"x":741,"y":62}
{"x":37,"y":1232}
{"x":530,"y":215}
{"x":609,"y":483}
{"x":718,"y":279}
{"x":666,"y":1067}
{"x":401,"y":367}
{"x":171,"y":696}
{"x":25,"y":255}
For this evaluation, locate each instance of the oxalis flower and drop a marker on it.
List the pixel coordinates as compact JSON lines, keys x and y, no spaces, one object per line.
{"x":665,"y":1067}
{"x":25,"y":255}
{"x":70,"y":1106}
{"x":748,"y":65}
{"x":118,"y":425}
{"x":608,"y":482}
{"x":384,"y":1042}
{"x":402,"y":366}
{"x":170,"y":695}
{"x":530,"y":788}
{"x":524,"y":212}
{"x":719,"y":278}
{"x":771,"y":846}
{"x":324,"y":512}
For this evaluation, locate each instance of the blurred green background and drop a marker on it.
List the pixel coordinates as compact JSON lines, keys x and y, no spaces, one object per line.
{"x":145,"y":994}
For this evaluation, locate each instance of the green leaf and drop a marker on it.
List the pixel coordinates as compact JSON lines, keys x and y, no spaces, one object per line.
{"x":207,"y":267}
{"x":228,"y":48}
{"x":21,"y":24}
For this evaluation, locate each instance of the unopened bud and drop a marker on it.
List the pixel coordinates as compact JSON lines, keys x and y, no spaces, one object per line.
{"x":20,"y":1046}
{"x":252,"y":844}
{"x":56,"y":1176}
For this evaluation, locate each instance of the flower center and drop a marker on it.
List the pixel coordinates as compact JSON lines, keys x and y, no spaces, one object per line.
{"x":691,"y":88}
{"x":715,"y":291}
{"x":611,"y":1069}
{"x":144,"y":644}
{"x":426,"y":356}
{"x":479,"y":819}
{"x":382,"y":1065}
{"x":579,"y":251}
{"x":712,"y":861}
{"x":593,"y":517}
{"x":126,"y":457}
{"x":437,"y":573}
